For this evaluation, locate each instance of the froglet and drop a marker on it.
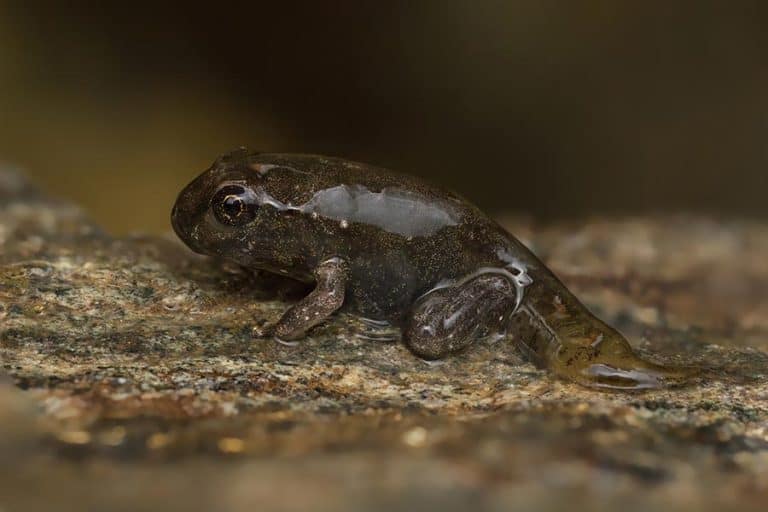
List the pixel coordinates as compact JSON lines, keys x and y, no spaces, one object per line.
{"x":392,"y":248}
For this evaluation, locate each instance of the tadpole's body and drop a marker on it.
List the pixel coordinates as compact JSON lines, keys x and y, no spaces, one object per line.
{"x":389,"y":247}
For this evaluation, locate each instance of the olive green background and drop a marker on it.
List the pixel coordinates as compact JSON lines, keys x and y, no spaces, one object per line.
{"x":550,"y":109}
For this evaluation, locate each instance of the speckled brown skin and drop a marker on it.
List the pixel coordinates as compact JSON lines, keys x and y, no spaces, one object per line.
{"x":390,"y":247}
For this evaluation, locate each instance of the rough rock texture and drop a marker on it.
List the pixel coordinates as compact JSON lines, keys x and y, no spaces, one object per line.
{"x":137,"y":385}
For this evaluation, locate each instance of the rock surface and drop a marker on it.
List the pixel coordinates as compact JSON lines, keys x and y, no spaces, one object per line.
{"x":132,"y":382}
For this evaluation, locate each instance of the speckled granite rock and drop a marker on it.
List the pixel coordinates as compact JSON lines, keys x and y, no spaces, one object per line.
{"x":137,"y":384}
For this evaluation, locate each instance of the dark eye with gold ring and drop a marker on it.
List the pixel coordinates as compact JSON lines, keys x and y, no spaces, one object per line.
{"x":234,"y":205}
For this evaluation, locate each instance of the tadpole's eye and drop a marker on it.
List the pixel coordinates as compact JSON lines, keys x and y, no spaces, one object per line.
{"x":234,"y":205}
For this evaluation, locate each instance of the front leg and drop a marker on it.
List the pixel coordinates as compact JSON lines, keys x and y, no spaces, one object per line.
{"x":328,"y":296}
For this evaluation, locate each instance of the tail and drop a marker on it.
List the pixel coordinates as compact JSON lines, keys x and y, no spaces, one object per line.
{"x":557,"y":332}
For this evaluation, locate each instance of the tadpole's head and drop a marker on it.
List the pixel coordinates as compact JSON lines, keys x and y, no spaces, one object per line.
{"x":229,"y":212}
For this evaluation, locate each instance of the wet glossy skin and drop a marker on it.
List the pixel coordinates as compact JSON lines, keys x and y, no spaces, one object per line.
{"x":389,"y":247}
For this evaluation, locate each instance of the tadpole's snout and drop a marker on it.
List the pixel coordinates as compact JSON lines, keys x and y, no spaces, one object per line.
{"x":175,"y":221}
{"x":180,"y":220}
{"x":188,"y":212}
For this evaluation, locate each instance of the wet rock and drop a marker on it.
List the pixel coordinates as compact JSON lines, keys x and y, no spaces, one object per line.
{"x":134,"y":351}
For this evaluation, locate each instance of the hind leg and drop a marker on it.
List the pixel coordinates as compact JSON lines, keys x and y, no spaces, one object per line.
{"x":450,"y":319}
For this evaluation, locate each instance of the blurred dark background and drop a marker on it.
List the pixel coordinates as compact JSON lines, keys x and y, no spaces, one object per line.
{"x":549,"y":109}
